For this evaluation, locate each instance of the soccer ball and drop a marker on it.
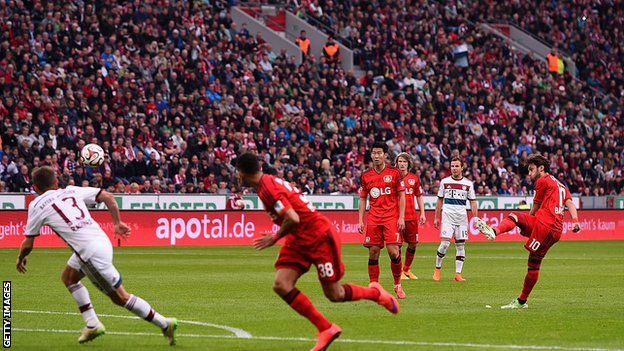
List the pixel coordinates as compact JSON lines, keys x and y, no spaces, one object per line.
{"x":92,"y":155}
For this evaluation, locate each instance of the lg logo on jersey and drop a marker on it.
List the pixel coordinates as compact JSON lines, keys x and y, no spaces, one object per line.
{"x":377,"y":192}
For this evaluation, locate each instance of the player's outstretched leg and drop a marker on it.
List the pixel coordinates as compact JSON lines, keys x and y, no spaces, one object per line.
{"x":385,"y":298}
{"x":485,"y":229}
{"x":142,"y":308}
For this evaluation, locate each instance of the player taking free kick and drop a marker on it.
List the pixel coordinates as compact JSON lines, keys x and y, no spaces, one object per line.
{"x":309,"y":238}
{"x":65,"y":212}
{"x":543,"y":225}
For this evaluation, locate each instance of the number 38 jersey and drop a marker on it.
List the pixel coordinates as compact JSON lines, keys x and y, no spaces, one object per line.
{"x":383,"y":191}
{"x":551,"y":195}
{"x":65,"y":212}
{"x":278,"y":196}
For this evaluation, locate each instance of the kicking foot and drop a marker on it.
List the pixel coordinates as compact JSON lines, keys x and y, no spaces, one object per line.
{"x":326,"y":337}
{"x":90,"y":333}
{"x":170,"y":331}
{"x":385,"y":299}
{"x":485,"y":228}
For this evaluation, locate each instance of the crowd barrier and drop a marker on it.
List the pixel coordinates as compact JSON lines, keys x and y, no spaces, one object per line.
{"x":195,"y":228}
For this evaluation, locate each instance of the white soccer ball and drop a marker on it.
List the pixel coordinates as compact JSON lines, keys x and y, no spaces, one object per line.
{"x":92,"y":155}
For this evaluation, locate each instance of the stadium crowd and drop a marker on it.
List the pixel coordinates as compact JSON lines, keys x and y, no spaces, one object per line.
{"x":174,"y":91}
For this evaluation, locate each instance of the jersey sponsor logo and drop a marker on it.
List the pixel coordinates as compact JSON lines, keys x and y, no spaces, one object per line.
{"x":387,"y":179}
{"x":377,"y":192}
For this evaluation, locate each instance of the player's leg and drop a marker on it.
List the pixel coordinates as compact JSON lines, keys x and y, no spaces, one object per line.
{"x":374,"y":243}
{"x":461,"y":235}
{"x":330,"y":270}
{"x":103,"y":274}
{"x":446,"y":233}
{"x":394,"y":251}
{"x":71,"y":278}
{"x":410,"y":236}
{"x":520,"y":220}
{"x":538,"y":244}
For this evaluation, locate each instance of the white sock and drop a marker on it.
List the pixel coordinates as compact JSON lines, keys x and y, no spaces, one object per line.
{"x":444,"y":245}
{"x":143,"y":309}
{"x":81,"y":295}
{"x":461,"y":255}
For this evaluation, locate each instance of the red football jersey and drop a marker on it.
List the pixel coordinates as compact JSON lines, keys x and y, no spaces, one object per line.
{"x":383,"y":192}
{"x":278,"y":196}
{"x":411,"y":183}
{"x":551,"y":195}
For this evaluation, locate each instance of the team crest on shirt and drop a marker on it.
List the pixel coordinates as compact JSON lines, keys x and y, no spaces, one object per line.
{"x":387,"y":179}
{"x":464,"y":187}
{"x":411,"y":181}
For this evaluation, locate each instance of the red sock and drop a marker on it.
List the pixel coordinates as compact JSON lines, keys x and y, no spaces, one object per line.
{"x":409,"y":258}
{"x":529,"y":282}
{"x":396,"y":270}
{"x":506,"y":225}
{"x":355,"y":292}
{"x":300,"y":303}
{"x":373,"y":270}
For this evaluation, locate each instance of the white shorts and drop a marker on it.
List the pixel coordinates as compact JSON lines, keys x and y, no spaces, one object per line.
{"x":99,"y":268}
{"x":459,"y":232}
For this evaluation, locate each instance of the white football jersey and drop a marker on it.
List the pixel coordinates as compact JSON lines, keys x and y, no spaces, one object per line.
{"x":455,"y":194}
{"x":65,"y":212}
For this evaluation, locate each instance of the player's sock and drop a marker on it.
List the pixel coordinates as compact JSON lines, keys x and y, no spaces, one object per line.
{"x":80,"y":293}
{"x":355,"y":292}
{"x":444,"y":245}
{"x":531,"y":277}
{"x":459,"y":258}
{"x":409,"y":258}
{"x":506,"y":225}
{"x":143,"y":309}
{"x":373,"y":270}
{"x":300,"y":303}
{"x":397,"y":269}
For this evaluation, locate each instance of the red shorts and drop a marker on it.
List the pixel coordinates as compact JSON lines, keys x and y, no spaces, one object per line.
{"x":324,"y":254}
{"x":378,"y":234}
{"x":410,"y":235}
{"x":541,"y":238}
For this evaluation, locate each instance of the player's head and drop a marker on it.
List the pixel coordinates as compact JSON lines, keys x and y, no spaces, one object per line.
{"x":404,"y":162}
{"x":248,"y":168}
{"x":457,"y":167}
{"x":538,"y":166}
{"x":44,"y":179}
{"x":378,"y":153}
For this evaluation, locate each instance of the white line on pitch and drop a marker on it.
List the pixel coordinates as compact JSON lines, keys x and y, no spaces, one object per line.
{"x":346,"y":341}
{"x":238,"y":332}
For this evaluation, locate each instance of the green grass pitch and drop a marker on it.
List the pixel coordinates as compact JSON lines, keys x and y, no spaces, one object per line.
{"x":578,"y":303}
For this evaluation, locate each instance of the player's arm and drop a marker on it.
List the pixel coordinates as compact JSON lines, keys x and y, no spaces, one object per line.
{"x":474,"y":207}
{"x":421,"y":206}
{"x":576,"y":227}
{"x":109,"y":200}
{"x":438,"y":211}
{"x":361,"y":210}
{"x":290,"y":221}
{"x":535,"y":207}
{"x":25,"y":249}
{"x":401,"y":222}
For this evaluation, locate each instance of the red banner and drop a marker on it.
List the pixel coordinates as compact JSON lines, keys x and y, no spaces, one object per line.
{"x":186,"y":228}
